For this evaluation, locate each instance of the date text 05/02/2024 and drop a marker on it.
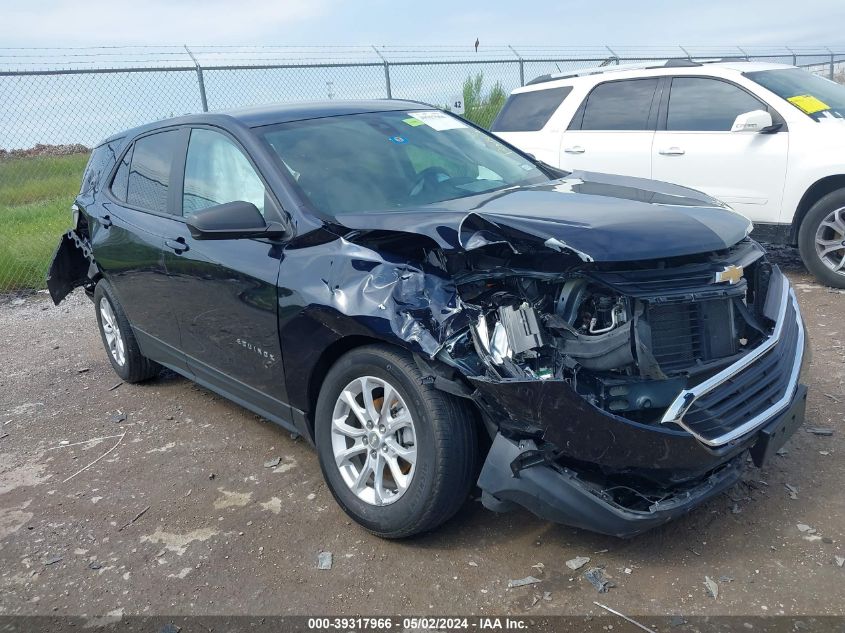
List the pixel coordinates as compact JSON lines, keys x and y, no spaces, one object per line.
{"x":419,"y":623}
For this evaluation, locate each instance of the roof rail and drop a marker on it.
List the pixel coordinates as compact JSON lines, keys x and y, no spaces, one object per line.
{"x":599,"y":70}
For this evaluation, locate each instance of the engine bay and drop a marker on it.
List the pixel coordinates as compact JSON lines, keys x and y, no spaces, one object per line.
{"x":627,"y":347}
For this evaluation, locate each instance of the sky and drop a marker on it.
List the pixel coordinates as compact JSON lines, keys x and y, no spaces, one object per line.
{"x":51,"y":23}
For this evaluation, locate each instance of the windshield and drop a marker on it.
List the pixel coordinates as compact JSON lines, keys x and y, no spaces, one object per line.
{"x":813,"y":95}
{"x":389,"y":160}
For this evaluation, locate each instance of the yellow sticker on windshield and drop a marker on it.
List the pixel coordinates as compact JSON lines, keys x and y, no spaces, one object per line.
{"x":412,"y":122}
{"x":808,"y":103}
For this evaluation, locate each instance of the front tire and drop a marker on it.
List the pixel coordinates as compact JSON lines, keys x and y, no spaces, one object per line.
{"x":119,"y":339}
{"x":397,"y":454}
{"x":821,"y":239}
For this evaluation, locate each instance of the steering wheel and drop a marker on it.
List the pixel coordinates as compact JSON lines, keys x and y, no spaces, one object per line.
{"x":427,"y":178}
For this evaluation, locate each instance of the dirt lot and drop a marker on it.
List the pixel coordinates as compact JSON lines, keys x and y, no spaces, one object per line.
{"x":223,"y":534}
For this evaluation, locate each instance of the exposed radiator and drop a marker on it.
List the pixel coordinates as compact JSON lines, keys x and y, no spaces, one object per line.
{"x":685,"y":334}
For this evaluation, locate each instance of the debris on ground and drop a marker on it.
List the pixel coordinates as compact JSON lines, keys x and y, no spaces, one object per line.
{"x":294,"y":436}
{"x":595,"y":575}
{"x":522,"y":582}
{"x":94,"y":566}
{"x":118,"y":417}
{"x":472,"y":563}
{"x":324,"y":560}
{"x":538,"y":566}
{"x":735,"y":509}
{"x":578,"y":562}
{"x":817,"y":430}
{"x":782,"y":452}
{"x":840,"y":560}
{"x":82,"y":370}
{"x":712,"y":587}
{"x":624,"y":617}
{"x":272,"y":463}
{"x":677,"y":620}
{"x":628,"y":570}
{"x":137,"y":516}
{"x":547,"y":595}
{"x":793,"y":491}
{"x":54,"y":560}
{"x":726,"y":578}
{"x":803,"y":527}
{"x":81,"y":470}
{"x":115,"y":386}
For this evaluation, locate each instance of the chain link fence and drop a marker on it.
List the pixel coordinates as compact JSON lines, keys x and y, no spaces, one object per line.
{"x":55,"y":104}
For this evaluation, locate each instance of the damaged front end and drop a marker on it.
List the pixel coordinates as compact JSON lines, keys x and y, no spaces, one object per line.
{"x":622,"y":395}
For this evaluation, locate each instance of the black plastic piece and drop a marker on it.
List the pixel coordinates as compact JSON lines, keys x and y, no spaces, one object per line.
{"x":559,"y":495}
{"x":774,"y":435}
{"x":68,"y":268}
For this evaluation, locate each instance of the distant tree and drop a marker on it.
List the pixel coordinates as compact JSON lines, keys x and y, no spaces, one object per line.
{"x":482,"y":105}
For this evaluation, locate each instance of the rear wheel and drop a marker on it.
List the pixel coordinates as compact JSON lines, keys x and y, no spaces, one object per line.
{"x":821,"y":239}
{"x":398,"y":455}
{"x":119,"y":339}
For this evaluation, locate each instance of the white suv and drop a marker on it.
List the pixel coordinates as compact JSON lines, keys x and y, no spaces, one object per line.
{"x":767,"y":139}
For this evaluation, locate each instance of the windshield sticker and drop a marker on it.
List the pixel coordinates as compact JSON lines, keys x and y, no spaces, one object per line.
{"x":399,"y":140}
{"x":808,"y":104}
{"x":438,"y":120}
{"x":412,"y":121}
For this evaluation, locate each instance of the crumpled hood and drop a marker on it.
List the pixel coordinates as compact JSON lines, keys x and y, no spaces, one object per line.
{"x":599,"y":217}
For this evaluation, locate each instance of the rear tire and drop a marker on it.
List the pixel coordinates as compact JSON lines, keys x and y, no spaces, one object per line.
{"x":436,"y":432}
{"x":119,"y":339}
{"x":821,"y":239}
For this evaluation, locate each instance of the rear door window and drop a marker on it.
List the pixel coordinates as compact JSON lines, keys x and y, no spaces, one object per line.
{"x":707,"y":105}
{"x":149,"y":173}
{"x":619,"y":105}
{"x":529,"y":111}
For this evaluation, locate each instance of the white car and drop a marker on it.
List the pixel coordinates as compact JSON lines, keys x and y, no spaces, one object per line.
{"x":766,"y":139}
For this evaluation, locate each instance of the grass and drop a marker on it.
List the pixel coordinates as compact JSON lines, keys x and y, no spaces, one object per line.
{"x":35,"y":198}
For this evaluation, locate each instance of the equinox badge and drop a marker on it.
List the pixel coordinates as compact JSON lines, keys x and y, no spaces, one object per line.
{"x":732,"y":274}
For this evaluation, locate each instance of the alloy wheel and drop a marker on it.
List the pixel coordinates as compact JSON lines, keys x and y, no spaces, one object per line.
{"x":374,"y":440}
{"x":830,"y":241}
{"x":111,"y":330}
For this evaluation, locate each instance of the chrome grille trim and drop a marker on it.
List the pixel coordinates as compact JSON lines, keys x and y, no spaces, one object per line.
{"x":681,"y":404}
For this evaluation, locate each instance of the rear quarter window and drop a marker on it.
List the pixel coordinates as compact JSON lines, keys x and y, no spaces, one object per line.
{"x":529,"y":111}
{"x":99,"y":165}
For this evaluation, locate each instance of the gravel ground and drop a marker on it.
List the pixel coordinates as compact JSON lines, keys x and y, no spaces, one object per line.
{"x":217,"y":532}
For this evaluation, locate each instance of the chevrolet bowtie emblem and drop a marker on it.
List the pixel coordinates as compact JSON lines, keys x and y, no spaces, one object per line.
{"x":731,"y":274}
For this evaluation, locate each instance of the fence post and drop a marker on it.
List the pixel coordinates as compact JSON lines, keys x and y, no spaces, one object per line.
{"x":689,"y":57}
{"x":200,"y":79}
{"x":521,"y":66}
{"x":386,"y":72}
{"x":832,"y":74}
{"x":794,"y":56}
{"x":743,"y":53}
{"x":613,"y":53}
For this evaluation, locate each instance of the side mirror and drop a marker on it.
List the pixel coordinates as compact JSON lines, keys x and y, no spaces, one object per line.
{"x":232,"y":221}
{"x":754,"y":121}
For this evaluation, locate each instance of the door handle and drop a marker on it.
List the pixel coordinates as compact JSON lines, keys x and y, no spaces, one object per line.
{"x":575,"y":149}
{"x":178,"y":245}
{"x":105,"y":221}
{"x":672,"y":151}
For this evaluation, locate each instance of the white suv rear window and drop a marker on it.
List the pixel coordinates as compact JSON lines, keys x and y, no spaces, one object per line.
{"x":529,"y":111}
